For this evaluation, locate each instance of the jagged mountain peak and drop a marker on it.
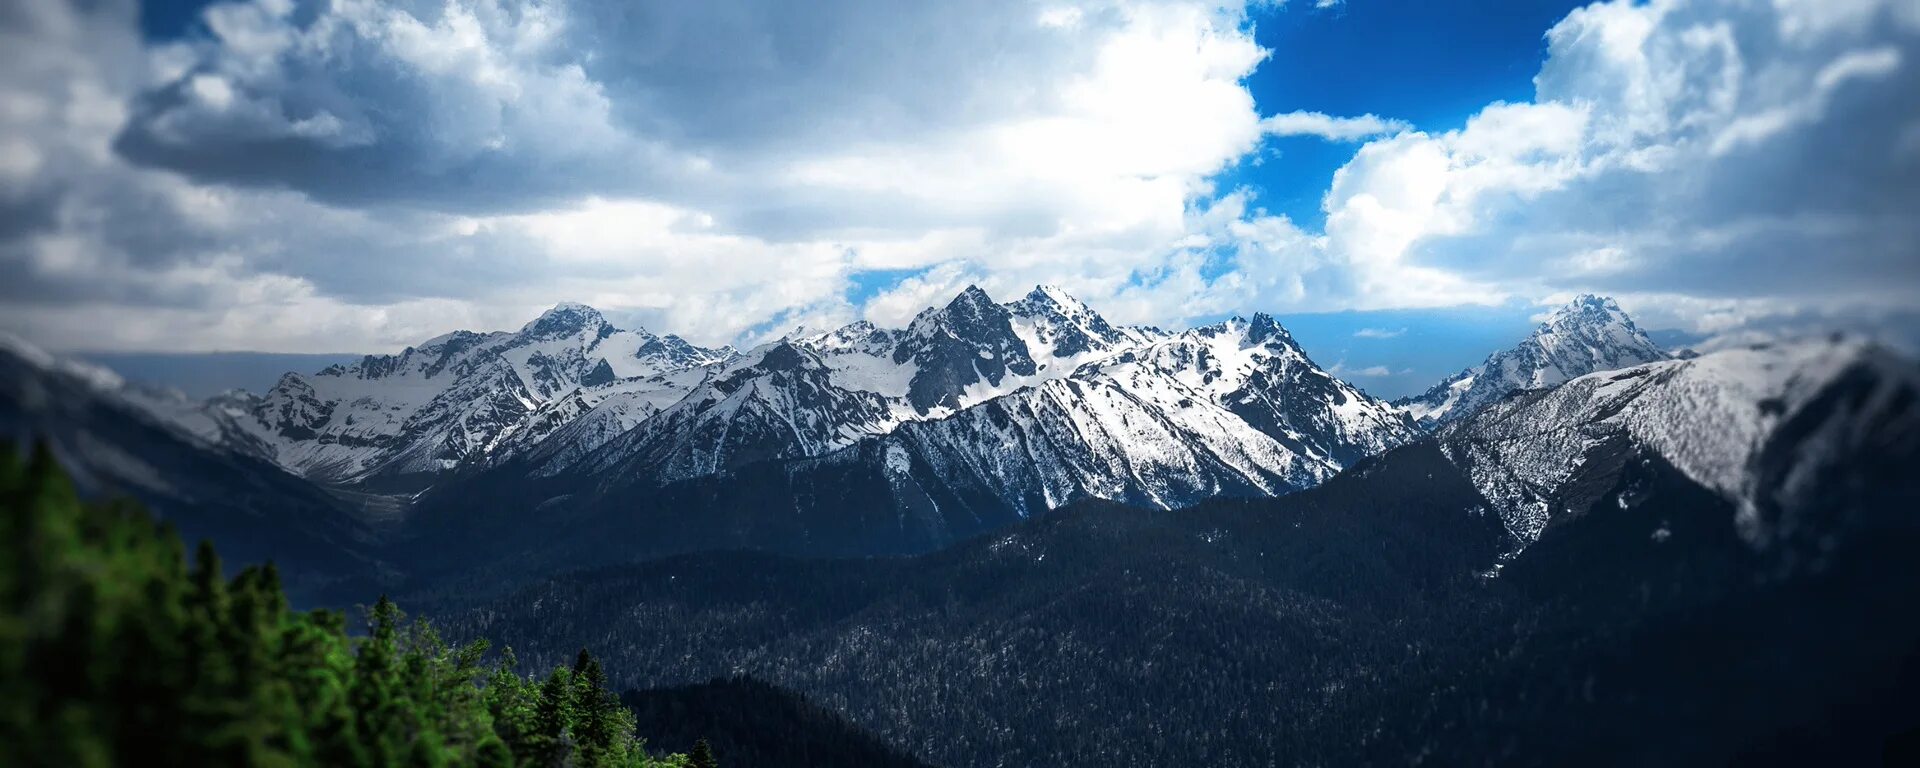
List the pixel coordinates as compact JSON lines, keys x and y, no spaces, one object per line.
{"x":1589,"y":302}
{"x":777,"y":402}
{"x":1586,"y":311}
{"x":293,"y":381}
{"x":970,"y":307}
{"x":972,"y":295}
{"x":567,"y":319}
{"x":465,"y":397}
{"x":844,"y":335}
{"x":1057,"y":325}
{"x":1588,"y":334}
{"x":1055,"y":296}
{"x":670,"y":352}
{"x":1263,"y":328}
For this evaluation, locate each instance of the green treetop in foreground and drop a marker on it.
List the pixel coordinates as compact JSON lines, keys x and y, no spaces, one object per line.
{"x":114,"y":650}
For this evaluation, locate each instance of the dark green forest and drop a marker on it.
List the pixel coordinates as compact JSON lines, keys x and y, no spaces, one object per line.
{"x":758,"y":724}
{"x":117,"y":649}
{"x":1355,"y":623}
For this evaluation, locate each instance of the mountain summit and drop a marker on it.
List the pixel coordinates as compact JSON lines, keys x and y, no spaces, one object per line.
{"x":872,"y":440}
{"x":396,"y":421}
{"x":1589,"y":334}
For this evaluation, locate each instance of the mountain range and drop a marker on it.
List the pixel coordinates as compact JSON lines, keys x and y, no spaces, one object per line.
{"x":398,"y":421}
{"x":975,"y":415}
{"x":1580,"y":575}
{"x":1231,"y":407}
{"x":104,"y":432}
{"x":1017,"y":533}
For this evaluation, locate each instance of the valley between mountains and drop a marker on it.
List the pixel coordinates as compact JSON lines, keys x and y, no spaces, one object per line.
{"x":1019,"y":534}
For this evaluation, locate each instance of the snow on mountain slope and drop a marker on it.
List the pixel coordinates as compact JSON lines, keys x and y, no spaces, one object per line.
{"x":1235,"y":408}
{"x":860,"y":357}
{"x":118,"y":440}
{"x":777,"y":402}
{"x":963,"y":353}
{"x":1045,"y":398}
{"x":972,"y":350}
{"x":1256,"y":371}
{"x":1071,"y":439}
{"x":460,"y":398}
{"x":208,"y":424}
{"x":1722,"y":419}
{"x":572,"y":426}
{"x":1061,"y":332}
{"x":1587,"y":335}
{"x":1034,"y":403}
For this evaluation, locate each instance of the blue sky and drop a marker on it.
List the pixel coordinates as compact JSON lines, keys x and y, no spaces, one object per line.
{"x":298,"y":176}
{"x":1431,"y":64}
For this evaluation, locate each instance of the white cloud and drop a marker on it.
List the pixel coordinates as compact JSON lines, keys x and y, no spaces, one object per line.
{"x":1759,"y":127}
{"x":384,"y":172}
{"x":1340,"y":369}
{"x":1379,"y":333}
{"x":498,"y":155}
{"x":1303,"y":123}
{"x":1704,"y":149}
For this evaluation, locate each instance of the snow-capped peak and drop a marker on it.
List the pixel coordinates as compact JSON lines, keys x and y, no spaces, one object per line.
{"x":971,"y":307}
{"x":1057,"y":325}
{"x":566,"y":319}
{"x":1753,"y":424}
{"x":1589,"y":334}
{"x":1588,"y":308}
{"x":1263,"y":328}
{"x":1056,"y":296}
{"x":971,"y":296}
{"x":463,"y":397}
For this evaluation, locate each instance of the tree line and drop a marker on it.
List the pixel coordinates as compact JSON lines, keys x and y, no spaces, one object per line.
{"x":117,"y":649}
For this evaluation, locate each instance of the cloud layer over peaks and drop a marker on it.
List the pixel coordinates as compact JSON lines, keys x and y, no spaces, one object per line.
{"x":357,"y":174}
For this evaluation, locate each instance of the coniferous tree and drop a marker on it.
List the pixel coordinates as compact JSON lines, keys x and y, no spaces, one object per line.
{"x":379,"y":718}
{"x":511,"y":706}
{"x":701,"y":756}
{"x":113,"y":652}
{"x":594,"y":709}
{"x":551,"y":714}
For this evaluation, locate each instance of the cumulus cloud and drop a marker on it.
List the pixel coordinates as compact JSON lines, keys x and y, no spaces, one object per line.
{"x":358,"y":174}
{"x":1683,"y":154}
{"x":716,"y":168}
{"x":790,"y":121}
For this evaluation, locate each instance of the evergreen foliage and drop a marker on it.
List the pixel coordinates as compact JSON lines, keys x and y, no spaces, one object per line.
{"x":115,"y":649}
{"x":701,"y":756}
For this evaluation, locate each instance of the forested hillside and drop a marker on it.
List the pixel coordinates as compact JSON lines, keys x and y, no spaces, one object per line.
{"x":753,"y":723}
{"x":1371,"y":620}
{"x":116,"y":649}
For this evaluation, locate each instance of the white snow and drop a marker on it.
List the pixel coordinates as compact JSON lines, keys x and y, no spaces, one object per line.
{"x":1137,"y":414}
{"x":866,"y":372}
{"x":1587,"y":335}
{"x":1707,"y":416}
